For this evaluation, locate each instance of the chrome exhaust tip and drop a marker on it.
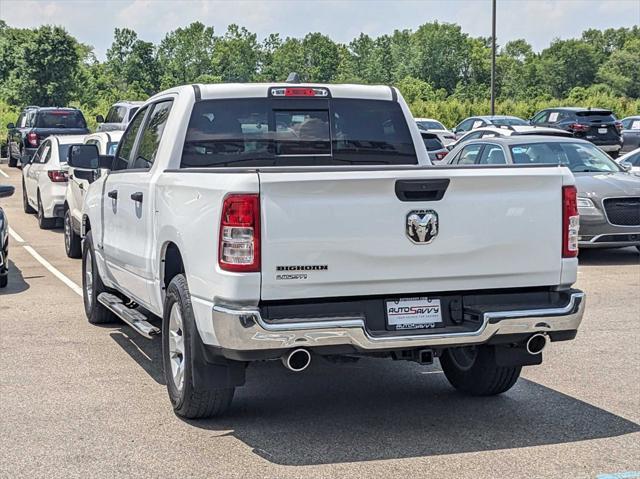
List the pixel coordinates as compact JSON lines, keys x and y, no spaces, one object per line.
{"x":297,"y":360}
{"x":536,"y":343}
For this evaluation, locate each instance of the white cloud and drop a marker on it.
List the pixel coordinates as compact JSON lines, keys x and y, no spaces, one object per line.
{"x":537,"y":21}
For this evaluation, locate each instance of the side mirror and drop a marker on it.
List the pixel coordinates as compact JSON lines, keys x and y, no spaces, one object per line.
{"x":6,"y":190}
{"x":100,"y":118}
{"x":84,"y":156}
{"x":625,"y":165}
{"x":10,"y":126}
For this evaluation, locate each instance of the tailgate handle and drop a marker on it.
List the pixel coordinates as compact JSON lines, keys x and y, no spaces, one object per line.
{"x":421,"y":190}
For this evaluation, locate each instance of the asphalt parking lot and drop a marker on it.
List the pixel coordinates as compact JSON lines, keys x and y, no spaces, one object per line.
{"x":86,"y":401}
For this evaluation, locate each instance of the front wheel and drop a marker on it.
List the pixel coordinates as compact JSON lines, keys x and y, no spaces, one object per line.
{"x":72,"y":241}
{"x":92,"y":286}
{"x":178,"y":335}
{"x":473,"y":370}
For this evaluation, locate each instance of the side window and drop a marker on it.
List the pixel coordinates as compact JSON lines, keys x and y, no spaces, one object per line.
{"x":110,"y":115}
{"x":540,"y":117}
{"x":151,"y":136}
{"x":478,"y":124}
{"x":626,"y":123}
{"x":471,"y":136}
{"x":469,"y":154}
{"x":132,"y":112}
{"x":464,"y":126}
{"x":116,"y":114}
{"x":635,"y":159}
{"x":44,"y":153}
{"x":492,"y":155}
{"x":121,"y":161}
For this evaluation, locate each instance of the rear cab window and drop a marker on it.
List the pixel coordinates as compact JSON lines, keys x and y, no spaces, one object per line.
{"x":60,"y":119}
{"x":297,"y":132}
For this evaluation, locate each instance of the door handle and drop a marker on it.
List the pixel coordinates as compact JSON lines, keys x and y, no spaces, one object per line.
{"x":81,"y":186}
{"x":137,"y":196}
{"x":421,"y":190}
{"x":113,"y":194}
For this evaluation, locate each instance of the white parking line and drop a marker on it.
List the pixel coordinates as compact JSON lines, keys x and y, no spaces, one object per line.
{"x":74,"y":287}
{"x":4,"y":174}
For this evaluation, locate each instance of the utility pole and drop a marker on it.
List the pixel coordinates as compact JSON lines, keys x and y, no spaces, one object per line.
{"x":493,"y":58}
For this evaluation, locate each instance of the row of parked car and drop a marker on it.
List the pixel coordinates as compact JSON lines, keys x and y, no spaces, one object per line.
{"x":597,"y":125}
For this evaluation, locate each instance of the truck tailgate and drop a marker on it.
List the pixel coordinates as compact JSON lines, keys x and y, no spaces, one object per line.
{"x":333,"y":233}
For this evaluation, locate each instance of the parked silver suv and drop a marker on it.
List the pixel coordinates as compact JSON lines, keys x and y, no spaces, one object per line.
{"x":119,"y":116}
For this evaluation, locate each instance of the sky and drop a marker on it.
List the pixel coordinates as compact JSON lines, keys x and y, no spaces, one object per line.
{"x":537,"y":21}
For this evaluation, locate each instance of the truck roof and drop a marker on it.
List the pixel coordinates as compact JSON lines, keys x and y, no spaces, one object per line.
{"x":261,"y":90}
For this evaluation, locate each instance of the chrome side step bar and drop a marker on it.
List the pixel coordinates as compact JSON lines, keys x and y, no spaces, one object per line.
{"x":132,"y":317}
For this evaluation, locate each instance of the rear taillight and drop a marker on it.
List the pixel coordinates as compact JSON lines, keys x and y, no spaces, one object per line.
{"x":58,"y":176}
{"x":570,"y":222}
{"x":239,"y":247}
{"x":32,"y":138}
{"x":618,"y":126}
{"x":440,"y":155}
{"x":578,"y":127}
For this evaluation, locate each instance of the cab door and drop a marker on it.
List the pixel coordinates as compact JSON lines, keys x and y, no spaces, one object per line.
{"x":33,"y":170}
{"x":128,"y":208}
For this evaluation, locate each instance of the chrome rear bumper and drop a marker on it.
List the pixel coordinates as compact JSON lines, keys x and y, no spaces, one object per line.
{"x":240,"y":329}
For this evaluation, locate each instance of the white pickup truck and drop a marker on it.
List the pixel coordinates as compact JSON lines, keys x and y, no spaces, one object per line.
{"x":292,"y":221}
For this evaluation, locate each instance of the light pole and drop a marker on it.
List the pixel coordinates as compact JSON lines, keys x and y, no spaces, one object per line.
{"x":493,"y":58}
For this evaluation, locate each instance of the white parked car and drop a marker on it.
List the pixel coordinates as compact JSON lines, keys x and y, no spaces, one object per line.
{"x":107,"y":143}
{"x":507,"y":131}
{"x":44,"y":179}
{"x":445,"y":135}
{"x":287,"y":221}
{"x":631,"y":161}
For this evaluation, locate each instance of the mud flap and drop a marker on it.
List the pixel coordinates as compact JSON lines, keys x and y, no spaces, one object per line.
{"x":211,"y":371}
{"x":507,"y":356}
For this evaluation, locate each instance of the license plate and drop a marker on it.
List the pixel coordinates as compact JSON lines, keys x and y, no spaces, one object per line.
{"x":602,"y":131}
{"x":414,"y":313}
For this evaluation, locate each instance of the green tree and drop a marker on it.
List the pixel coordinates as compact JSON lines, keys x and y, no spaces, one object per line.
{"x":185,"y":54}
{"x":621,"y":71}
{"x":440,"y":54}
{"x":132,"y":66}
{"x":45,"y":68}
{"x":321,"y":58}
{"x":567,"y":64}
{"x":236,"y":55}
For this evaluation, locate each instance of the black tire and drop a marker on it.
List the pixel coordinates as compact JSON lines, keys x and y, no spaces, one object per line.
{"x":72,"y":240}
{"x":474,"y":371}
{"x":187,"y":400}
{"x":43,"y":222}
{"x":4,"y":280}
{"x":95,"y":311}
{"x":25,"y":203}
{"x":12,"y":161}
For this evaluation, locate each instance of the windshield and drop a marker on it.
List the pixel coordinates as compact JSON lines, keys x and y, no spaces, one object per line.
{"x":511,"y":121}
{"x":432,"y":143}
{"x":63,"y":151}
{"x":430,"y":125}
{"x":60,"y":119}
{"x":578,"y":157}
{"x":297,"y":132}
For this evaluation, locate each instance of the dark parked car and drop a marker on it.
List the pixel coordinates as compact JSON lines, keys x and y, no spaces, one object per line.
{"x":35,"y":124}
{"x":597,"y":125}
{"x":608,"y":194}
{"x":436,"y":150}
{"x":5,"y":191}
{"x":630,"y":133}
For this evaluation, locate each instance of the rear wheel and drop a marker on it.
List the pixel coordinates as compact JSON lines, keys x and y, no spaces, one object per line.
{"x":473,"y":370}
{"x":92,"y":286}
{"x":4,"y":280}
{"x":44,"y":222}
{"x":178,"y":330}
{"x":72,"y":241}
{"x":25,"y":201}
